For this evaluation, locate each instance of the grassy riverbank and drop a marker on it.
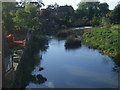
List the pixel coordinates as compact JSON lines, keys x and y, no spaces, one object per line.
{"x":104,"y":39}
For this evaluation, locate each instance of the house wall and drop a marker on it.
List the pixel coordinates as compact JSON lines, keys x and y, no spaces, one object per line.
{"x":7,"y":67}
{"x":9,"y":78}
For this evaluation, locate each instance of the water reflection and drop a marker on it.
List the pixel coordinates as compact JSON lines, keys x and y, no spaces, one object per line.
{"x":74,"y":68}
{"x":106,"y":60}
{"x":37,"y":78}
{"x":72,"y":48}
{"x":116,"y":69}
{"x":40,"y":79}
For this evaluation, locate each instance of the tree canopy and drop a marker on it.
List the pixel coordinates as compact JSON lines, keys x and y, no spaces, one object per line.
{"x":7,"y":15}
{"x":116,"y":14}
{"x":92,"y":10}
{"x":27,"y":18}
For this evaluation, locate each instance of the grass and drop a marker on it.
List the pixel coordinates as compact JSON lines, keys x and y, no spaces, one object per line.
{"x":64,"y":33}
{"x":104,"y":39}
{"x":115,"y":27}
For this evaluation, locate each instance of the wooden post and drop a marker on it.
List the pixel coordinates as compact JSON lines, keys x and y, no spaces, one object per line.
{"x":0,"y":45}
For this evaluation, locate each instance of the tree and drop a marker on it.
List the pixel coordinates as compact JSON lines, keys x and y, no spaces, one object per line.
{"x":96,"y":20}
{"x":27,"y":18}
{"x":104,"y":8}
{"x":106,"y":22}
{"x":7,"y":15}
{"x":88,"y":10}
{"x":38,"y":3}
{"x":51,"y":6}
{"x":86,"y":5}
{"x":116,"y":14}
{"x":92,"y":10}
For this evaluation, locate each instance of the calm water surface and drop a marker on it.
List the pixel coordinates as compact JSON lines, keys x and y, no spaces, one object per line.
{"x":77,"y":68}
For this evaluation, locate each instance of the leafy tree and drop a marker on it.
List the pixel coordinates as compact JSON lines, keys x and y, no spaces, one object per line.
{"x":51,"y":6}
{"x":96,"y":20}
{"x":8,"y":11}
{"x":104,"y":8}
{"x":116,"y":14}
{"x":86,"y":5}
{"x":38,"y":3}
{"x":87,"y":9}
{"x":92,"y":10}
{"x":27,"y":18}
{"x":106,"y":22}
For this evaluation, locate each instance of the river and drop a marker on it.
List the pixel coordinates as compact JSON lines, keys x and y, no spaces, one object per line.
{"x":74,"y":68}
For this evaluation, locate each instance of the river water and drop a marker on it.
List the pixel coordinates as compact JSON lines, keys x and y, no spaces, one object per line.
{"x":74,"y":68}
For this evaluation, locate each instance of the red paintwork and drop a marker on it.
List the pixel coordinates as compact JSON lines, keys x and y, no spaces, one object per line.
{"x":12,"y":41}
{"x":19,"y":42}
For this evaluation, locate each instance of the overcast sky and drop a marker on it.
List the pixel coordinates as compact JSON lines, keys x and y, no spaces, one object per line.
{"x":111,"y":3}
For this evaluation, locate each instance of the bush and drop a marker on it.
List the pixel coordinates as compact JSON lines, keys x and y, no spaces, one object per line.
{"x":72,"y":42}
{"x":104,"y":39}
{"x":96,"y":20}
{"x":106,"y":22}
{"x":64,"y":33}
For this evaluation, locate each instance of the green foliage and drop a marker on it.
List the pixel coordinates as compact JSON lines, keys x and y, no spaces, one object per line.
{"x":104,"y":8}
{"x":115,"y":27}
{"x":64,"y":33}
{"x":8,"y":10}
{"x":104,"y":39}
{"x":90,"y":8}
{"x":27,"y":18}
{"x":29,"y":59}
{"x":96,"y":21}
{"x":106,"y":22}
{"x":72,"y":42}
{"x":38,"y":42}
{"x":92,"y":11}
{"x":116,"y":15}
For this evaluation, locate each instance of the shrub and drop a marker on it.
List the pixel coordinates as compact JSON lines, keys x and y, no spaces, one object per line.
{"x":38,"y":42}
{"x":106,"y":22}
{"x":104,"y":39}
{"x":72,"y":42}
{"x":64,"y":33}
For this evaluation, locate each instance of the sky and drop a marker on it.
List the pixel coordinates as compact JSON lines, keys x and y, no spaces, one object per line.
{"x":111,"y":3}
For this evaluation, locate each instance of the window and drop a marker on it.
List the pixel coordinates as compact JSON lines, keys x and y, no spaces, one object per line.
{"x":8,"y":63}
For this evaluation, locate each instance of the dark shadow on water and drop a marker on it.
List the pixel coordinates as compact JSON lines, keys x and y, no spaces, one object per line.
{"x":72,"y":47}
{"x":39,"y":79}
{"x":29,"y":60}
{"x":116,"y":69}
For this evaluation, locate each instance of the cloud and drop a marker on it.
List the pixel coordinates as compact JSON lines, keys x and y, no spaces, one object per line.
{"x":49,"y":84}
{"x":109,"y":1}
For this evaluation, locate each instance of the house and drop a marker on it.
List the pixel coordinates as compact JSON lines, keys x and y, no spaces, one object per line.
{"x":7,"y":65}
{"x":45,"y":12}
{"x":60,"y":11}
{"x":66,"y":10}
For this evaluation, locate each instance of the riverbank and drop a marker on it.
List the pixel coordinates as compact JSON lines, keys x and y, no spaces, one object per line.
{"x":104,"y":39}
{"x":36,"y":44}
